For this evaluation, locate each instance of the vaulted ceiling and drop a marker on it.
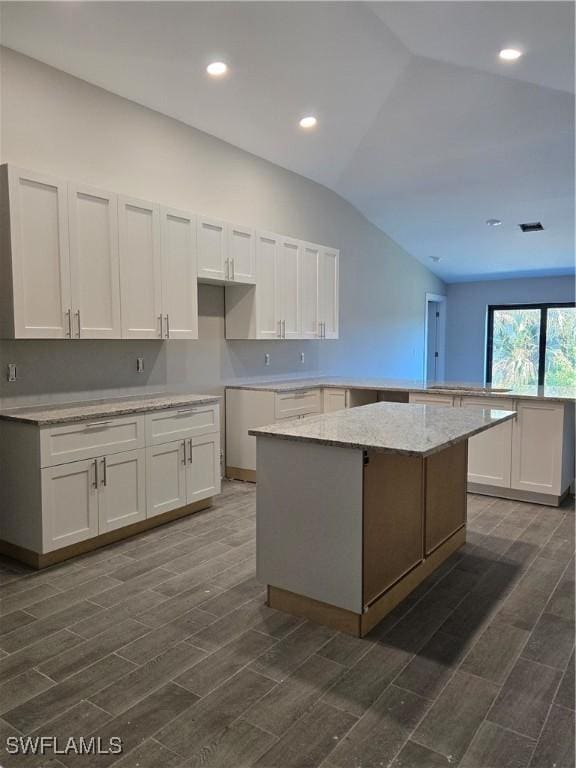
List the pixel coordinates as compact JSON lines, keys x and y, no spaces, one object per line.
{"x":421,"y":126}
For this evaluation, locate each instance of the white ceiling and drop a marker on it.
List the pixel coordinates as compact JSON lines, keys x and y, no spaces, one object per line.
{"x":421,"y":126}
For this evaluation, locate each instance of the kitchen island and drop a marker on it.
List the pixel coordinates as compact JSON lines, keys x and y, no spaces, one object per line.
{"x":355,"y":508}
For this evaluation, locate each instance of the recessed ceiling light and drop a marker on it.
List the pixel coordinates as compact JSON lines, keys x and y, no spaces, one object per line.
{"x":217,"y":69}
{"x":308,"y":122}
{"x":510,"y":54}
{"x":493,"y":222}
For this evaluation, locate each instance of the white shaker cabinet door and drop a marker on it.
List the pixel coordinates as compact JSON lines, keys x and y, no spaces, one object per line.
{"x":288,"y":284}
{"x":165,"y":477}
{"x":203,"y":468}
{"x":267,"y":311}
{"x":179,"y":275}
{"x":241,"y":254}
{"x":329,"y":292}
{"x":537,"y":437}
{"x":490,"y":452}
{"x":95,"y":269}
{"x":38,"y":207}
{"x":212,"y":248}
{"x":69,"y":504}
{"x":140,"y":269}
{"x":309,"y":266}
{"x":122,"y":489}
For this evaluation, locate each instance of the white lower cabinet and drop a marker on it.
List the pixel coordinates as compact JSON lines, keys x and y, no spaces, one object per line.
{"x":490,"y":453}
{"x":537,"y":447}
{"x":203,"y":469}
{"x":67,"y":483}
{"x":121,"y":490}
{"x":334,"y":400}
{"x":423,"y":398}
{"x":69,"y":504}
{"x":165,"y":477}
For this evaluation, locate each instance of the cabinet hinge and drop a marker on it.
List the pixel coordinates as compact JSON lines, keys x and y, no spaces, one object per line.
{"x":366,"y":458}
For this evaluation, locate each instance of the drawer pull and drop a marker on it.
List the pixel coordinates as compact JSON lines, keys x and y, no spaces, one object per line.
{"x":186,"y":410}
{"x":94,"y":424}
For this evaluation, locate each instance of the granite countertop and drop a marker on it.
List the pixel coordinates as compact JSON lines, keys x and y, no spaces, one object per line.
{"x":563,"y":394}
{"x":412,"y":430}
{"x":62,"y":413}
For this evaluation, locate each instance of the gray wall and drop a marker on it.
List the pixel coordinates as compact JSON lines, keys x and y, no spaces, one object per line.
{"x":57,"y":124}
{"x":467,"y":309}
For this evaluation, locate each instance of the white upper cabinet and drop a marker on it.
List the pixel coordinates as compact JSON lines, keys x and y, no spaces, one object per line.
{"x":212,"y":248}
{"x":309,"y":266}
{"x":267,"y":317}
{"x":35,"y":298}
{"x":140,"y":269}
{"x":95,"y":271}
{"x":179,"y":286}
{"x":241,"y":255}
{"x":288,"y":287}
{"x":329,"y":287}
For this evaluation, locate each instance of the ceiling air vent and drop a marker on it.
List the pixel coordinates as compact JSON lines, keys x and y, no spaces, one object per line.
{"x":531,"y":226}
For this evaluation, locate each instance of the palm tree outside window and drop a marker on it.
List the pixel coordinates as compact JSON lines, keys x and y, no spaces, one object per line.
{"x":531,"y":344}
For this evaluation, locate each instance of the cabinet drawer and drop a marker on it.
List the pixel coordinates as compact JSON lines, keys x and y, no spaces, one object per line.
{"x":291,"y":404}
{"x":425,"y":399}
{"x":180,"y":423}
{"x":89,"y":439}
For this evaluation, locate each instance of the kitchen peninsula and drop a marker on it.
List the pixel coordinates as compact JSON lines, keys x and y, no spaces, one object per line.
{"x":355,"y":508}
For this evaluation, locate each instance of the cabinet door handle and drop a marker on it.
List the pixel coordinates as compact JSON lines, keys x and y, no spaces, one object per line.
{"x":279,"y":333}
{"x":283,"y":329}
{"x":69,"y":321}
{"x":233,"y":270}
{"x":161,"y":318}
{"x":227,"y":269}
{"x":183,"y":451}
{"x":94,"y":424}
{"x":167,"y":326}
{"x":95,"y":483}
{"x":190,"y":445}
{"x":186,"y":410}
{"x":104,"y":472}
{"x":79,"y":323}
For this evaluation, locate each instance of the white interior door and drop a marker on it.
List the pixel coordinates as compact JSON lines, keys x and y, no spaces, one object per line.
{"x":165,"y":477}
{"x":242,"y":254}
{"x":490,"y":452}
{"x":95,"y":269}
{"x":289,"y":287}
{"x":40,"y":255}
{"x":179,"y":283}
{"x":309,"y":265}
{"x":122,"y":489}
{"x":140,"y":269}
{"x":329,"y":292}
{"x":212,"y":248}
{"x":267,"y":314}
{"x":69,"y":504}
{"x":203,"y":471}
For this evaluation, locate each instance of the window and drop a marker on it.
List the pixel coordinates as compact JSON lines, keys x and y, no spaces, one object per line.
{"x":531,"y":344}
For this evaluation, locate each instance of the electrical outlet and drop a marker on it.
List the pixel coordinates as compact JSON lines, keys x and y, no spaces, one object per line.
{"x":301,"y":357}
{"x":139,"y":365}
{"x":266,"y":358}
{"x":12,"y":372}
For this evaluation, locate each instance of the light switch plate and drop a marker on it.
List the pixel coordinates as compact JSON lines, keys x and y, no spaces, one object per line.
{"x":301,"y":357}
{"x":139,"y":365}
{"x":266,"y":358}
{"x":12,"y":372}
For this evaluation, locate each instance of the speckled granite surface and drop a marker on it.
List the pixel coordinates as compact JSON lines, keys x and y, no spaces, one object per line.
{"x":564,"y":394}
{"x":93,"y":409}
{"x":413,"y":430}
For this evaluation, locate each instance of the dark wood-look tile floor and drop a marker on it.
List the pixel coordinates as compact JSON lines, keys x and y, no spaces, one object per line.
{"x":164,"y":640}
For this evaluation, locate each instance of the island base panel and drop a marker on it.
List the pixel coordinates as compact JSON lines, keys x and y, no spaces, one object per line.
{"x":356,"y":624}
{"x":236,"y":473}
{"x":40,"y":560}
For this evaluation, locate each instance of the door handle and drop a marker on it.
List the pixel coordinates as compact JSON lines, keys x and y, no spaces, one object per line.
{"x":190,"y":445}
{"x":161,"y":318}
{"x":69,"y":320}
{"x":95,"y":483}
{"x":79,"y":324}
{"x":184,"y":452}
{"x":104,"y":472}
{"x":167,"y":326}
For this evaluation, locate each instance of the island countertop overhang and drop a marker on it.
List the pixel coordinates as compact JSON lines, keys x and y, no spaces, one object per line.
{"x":399,"y":428}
